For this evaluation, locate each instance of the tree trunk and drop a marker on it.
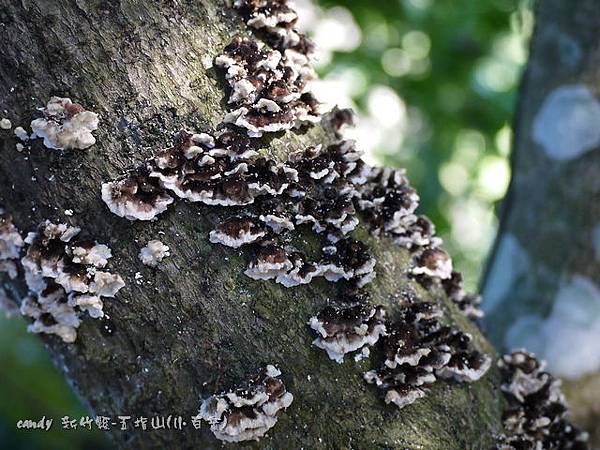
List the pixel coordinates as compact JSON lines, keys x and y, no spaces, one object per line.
{"x":195,"y":325}
{"x":541,"y":289}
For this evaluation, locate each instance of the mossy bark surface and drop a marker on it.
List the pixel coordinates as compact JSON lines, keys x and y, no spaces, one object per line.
{"x":549,"y":229}
{"x":195,"y":325}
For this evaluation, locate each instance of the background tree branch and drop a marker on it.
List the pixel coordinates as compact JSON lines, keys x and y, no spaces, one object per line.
{"x":541,"y":287}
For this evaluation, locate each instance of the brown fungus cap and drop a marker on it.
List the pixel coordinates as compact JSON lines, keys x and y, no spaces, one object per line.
{"x":136,"y":197}
{"x":237,"y":231}
{"x":345,"y":329}
{"x":269,"y":89}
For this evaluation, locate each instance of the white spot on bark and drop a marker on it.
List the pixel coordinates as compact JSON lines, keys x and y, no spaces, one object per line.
{"x":21,"y":134}
{"x":207,"y":62}
{"x":5,"y":124}
{"x":568,"y":338}
{"x":568,"y":123}
{"x":153,"y":253}
{"x":511,"y":261}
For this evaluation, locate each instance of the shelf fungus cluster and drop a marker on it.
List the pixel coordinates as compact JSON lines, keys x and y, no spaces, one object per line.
{"x":269,"y":89}
{"x":536,"y":417}
{"x":321,"y":189}
{"x":331,"y":188}
{"x":276,"y":20}
{"x":65,"y":279}
{"x":65,"y":125}
{"x":320,"y":197}
{"x":249,"y":412}
{"x":223,"y":170}
{"x":290,"y":267}
{"x":419,"y":350}
{"x":324,"y":189}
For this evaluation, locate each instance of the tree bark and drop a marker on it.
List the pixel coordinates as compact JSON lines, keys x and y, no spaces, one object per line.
{"x":541,"y":286}
{"x":196,"y":325}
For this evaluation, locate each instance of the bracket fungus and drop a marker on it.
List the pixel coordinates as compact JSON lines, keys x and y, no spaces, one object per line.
{"x":153,"y":253}
{"x":467,"y":303}
{"x":237,"y":231}
{"x":433,"y":262}
{"x":65,"y":125}
{"x":137,"y":197}
{"x":247,"y":413}
{"x":346,"y":329}
{"x":340,"y":120}
{"x":277,"y":20}
{"x":348,"y":259}
{"x":91,"y":253}
{"x":270,"y":261}
{"x":386,"y":198}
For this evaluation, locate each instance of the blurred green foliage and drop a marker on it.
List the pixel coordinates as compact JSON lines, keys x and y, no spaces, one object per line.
{"x":31,"y":387}
{"x":454,"y":66}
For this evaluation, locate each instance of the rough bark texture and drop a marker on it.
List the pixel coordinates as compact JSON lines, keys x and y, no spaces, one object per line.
{"x":548,"y":240}
{"x":196,"y":325}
